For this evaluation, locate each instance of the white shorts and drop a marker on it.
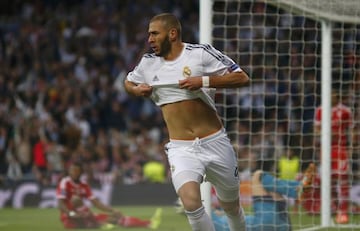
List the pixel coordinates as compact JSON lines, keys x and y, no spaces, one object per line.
{"x":213,"y":156}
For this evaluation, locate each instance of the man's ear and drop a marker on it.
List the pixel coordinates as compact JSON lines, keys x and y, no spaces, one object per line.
{"x":173,"y":34}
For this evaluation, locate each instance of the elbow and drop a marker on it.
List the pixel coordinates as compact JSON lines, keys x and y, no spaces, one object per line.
{"x":128,"y":87}
{"x":246,"y":80}
{"x":243,"y":79}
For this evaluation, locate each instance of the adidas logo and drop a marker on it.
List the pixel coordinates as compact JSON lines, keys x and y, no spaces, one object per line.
{"x":155,"y":79}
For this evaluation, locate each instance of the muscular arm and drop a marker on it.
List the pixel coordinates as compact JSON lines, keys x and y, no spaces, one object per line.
{"x":99,"y":205}
{"x":230,"y":80}
{"x":137,"y":89}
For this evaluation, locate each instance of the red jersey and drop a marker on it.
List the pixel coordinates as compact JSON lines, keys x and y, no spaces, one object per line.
{"x":341,"y":122}
{"x":68,"y":188}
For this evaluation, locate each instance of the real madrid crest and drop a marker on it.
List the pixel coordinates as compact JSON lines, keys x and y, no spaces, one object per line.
{"x":186,"y":72}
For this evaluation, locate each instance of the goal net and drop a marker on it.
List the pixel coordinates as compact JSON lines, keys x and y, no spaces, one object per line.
{"x":272,"y":122}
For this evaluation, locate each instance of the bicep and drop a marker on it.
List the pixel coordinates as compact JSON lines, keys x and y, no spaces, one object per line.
{"x":128,"y":84}
{"x":129,"y":87}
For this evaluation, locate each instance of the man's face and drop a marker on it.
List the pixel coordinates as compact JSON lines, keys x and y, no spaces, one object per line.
{"x":75,"y":173}
{"x":159,"y":39}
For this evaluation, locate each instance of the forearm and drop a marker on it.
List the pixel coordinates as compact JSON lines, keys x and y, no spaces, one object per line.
{"x":230,"y":80}
{"x":102,"y":206}
{"x":129,"y":87}
{"x":141,"y":89}
{"x":62,"y":206}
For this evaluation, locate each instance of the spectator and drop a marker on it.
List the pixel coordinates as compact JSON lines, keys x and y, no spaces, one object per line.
{"x":14,"y":172}
{"x":289,"y":165}
{"x":40,"y":161}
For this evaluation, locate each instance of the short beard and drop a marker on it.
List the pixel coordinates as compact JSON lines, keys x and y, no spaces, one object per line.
{"x":165,"y":47}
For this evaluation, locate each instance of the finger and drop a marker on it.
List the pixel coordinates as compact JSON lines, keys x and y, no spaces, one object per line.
{"x":182,"y":84}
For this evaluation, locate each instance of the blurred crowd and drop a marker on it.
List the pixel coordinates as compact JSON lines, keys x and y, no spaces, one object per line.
{"x":273,"y":118}
{"x":62,"y":65}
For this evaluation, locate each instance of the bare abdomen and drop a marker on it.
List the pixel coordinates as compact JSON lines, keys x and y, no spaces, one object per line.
{"x":189,"y":119}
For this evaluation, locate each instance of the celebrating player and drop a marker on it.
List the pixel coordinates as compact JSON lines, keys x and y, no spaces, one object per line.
{"x":341,"y":126}
{"x":71,"y":192}
{"x":179,"y":76}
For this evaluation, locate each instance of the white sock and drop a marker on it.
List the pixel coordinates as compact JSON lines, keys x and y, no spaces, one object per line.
{"x":237,"y":222}
{"x":199,"y":220}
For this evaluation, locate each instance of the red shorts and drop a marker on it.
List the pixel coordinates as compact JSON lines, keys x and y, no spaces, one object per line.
{"x":92,"y":221}
{"x":339,"y":161}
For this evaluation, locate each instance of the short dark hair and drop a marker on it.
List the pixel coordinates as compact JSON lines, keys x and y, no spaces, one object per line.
{"x":170,"y":21}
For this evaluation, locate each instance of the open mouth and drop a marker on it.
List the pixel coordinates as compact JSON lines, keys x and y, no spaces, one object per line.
{"x":154,"y":48}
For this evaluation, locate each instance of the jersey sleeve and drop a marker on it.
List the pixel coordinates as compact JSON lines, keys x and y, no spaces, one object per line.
{"x":216,"y":63}
{"x":136,"y":75}
{"x":61,"y":190}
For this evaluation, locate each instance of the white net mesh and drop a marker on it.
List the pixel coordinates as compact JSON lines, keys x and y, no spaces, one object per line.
{"x":280,"y":49}
{"x":332,"y":10}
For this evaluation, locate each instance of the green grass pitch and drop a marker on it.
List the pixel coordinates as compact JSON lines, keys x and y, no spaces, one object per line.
{"x":35,"y":219}
{"x":48,"y":219}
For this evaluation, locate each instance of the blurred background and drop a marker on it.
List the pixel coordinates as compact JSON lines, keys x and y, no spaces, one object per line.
{"x":62,"y":64}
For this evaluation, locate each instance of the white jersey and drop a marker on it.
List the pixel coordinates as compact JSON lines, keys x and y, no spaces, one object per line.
{"x":194,"y":60}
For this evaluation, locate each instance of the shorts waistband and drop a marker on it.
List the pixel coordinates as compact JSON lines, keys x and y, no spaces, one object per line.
{"x":199,"y":141}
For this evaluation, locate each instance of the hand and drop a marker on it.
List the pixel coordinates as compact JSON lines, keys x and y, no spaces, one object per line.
{"x":191,"y":83}
{"x":143,"y":89}
{"x":71,"y":214}
{"x":74,"y":215}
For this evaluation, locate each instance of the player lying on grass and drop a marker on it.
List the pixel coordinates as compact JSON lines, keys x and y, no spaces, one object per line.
{"x":269,"y":204}
{"x":71,"y":192}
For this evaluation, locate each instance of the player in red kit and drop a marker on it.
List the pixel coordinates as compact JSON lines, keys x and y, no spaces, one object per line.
{"x":341,"y":131}
{"x":71,"y":192}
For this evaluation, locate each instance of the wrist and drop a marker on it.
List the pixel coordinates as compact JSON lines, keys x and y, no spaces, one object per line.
{"x":205,"y":81}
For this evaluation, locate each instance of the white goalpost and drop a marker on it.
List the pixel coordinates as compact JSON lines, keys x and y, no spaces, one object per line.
{"x":293,"y":50}
{"x":205,"y":37}
{"x":326,"y":49}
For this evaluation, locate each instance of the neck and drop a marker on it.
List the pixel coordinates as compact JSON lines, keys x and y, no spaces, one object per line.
{"x":175,"y":52}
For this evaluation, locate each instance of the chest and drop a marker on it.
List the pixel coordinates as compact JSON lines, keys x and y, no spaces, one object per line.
{"x":76,"y":190}
{"x":339,"y":117}
{"x":169,"y":73}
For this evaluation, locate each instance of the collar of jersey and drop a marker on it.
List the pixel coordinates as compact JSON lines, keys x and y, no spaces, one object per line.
{"x":177,"y":59}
